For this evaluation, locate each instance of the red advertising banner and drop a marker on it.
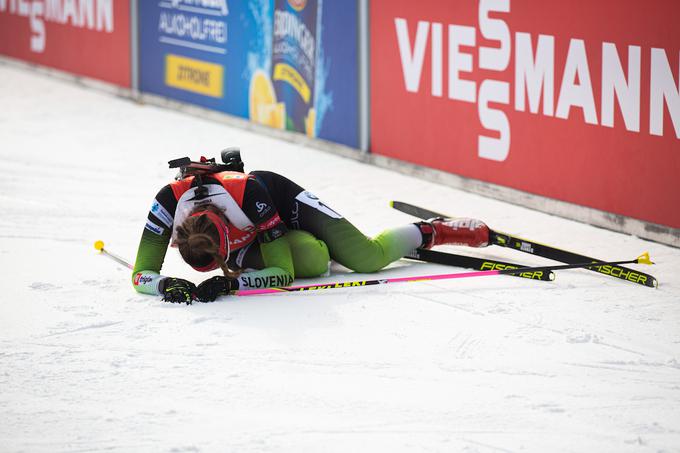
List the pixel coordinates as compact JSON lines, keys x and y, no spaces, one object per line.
{"x":85,"y":37}
{"x":577,"y":101}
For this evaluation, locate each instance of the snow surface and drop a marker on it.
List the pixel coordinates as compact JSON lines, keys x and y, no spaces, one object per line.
{"x":582,"y":364}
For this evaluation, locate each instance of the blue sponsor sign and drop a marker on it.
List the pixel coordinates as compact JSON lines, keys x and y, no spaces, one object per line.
{"x":288,"y":64}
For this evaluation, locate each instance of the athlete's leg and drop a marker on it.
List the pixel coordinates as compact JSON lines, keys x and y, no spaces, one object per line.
{"x":349,"y":246}
{"x":301,"y":210}
{"x":310,"y":255}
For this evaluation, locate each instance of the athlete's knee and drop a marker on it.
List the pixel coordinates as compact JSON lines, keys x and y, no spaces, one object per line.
{"x":366,"y":256}
{"x":368,"y":265}
{"x":310,"y":255}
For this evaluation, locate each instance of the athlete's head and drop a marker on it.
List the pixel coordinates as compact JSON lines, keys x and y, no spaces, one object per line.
{"x":203,"y":240}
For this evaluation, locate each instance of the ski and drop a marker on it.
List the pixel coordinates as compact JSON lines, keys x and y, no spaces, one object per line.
{"x":470,"y":262}
{"x":538,"y":249}
{"x":642,"y":259}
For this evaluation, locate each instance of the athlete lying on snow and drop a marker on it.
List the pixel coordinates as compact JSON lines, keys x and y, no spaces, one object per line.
{"x":263,"y":230}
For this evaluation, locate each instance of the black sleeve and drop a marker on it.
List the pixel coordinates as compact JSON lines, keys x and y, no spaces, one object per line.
{"x":259,"y":208}
{"x":162,"y":212}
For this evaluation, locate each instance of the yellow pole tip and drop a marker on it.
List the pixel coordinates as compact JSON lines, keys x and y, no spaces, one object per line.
{"x":644,"y":259}
{"x":99,"y":245}
{"x":391,"y":204}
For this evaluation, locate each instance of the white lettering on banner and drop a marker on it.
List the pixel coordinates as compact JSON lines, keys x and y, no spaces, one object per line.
{"x":576,"y":94}
{"x":533,"y":74}
{"x":76,"y":13}
{"x":496,"y":120}
{"x":411,"y":63}
{"x":614,"y":84}
{"x":219,"y":6}
{"x":183,"y":24}
{"x":494,"y":30}
{"x":461,"y":90}
{"x":534,"y":77}
{"x":192,"y":27}
{"x":495,"y":59}
{"x":289,"y":25}
{"x":663,"y":89}
{"x":37,"y":27}
{"x":437,"y":60}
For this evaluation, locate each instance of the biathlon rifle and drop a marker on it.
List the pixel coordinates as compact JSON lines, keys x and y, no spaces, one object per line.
{"x":231,"y":161}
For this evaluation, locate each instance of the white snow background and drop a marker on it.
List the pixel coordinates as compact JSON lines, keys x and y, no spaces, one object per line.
{"x":586,"y":363}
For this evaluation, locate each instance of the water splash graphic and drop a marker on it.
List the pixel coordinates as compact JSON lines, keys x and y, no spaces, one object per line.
{"x":260,"y":45}
{"x":323,"y":100}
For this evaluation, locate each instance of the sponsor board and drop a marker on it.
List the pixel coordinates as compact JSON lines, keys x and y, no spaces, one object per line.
{"x":510,"y":92}
{"x":185,"y":48}
{"x":285,"y":64}
{"x":84,"y":37}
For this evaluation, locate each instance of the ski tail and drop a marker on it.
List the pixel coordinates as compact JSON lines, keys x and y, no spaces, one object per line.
{"x":471,"y":262}
{"x":543,"y":250}
{"x":415,"y":211}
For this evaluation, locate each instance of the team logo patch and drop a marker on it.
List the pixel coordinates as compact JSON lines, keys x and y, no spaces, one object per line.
{"x":161,"y":213}
{"x":154,"y":228}
{"x":262,"y":208}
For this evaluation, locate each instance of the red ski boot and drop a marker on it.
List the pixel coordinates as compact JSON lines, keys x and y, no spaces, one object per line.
{"x":469,"y":232}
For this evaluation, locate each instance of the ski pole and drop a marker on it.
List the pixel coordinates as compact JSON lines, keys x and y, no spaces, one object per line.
{"x":642,"y":259}
{"x":99,"y":245}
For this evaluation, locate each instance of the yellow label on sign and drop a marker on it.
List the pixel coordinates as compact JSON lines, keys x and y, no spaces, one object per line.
{"x":194,"y":75}
{"x":289,"y":74}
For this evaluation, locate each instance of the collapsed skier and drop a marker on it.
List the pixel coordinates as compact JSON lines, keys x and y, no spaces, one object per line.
{"x":263,"y":230}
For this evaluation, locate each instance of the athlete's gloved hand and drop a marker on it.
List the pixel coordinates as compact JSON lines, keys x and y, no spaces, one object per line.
{"x":214,"y":287}
{"x":177,"y":290}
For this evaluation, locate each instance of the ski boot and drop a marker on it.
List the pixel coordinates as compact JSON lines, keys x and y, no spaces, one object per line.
{"x":440,"y":231}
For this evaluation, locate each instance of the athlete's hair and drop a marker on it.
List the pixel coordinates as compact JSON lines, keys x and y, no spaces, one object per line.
{"x":198,"y":241}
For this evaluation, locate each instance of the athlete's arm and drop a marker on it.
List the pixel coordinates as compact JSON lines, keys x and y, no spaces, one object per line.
{"x":154,"y":243}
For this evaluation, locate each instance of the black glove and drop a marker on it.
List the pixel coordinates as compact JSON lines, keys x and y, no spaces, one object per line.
{"x":213,"y":287}
{"x":177,"y":290}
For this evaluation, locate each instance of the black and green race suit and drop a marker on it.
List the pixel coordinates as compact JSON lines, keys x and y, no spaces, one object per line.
{"x":309,"y":235}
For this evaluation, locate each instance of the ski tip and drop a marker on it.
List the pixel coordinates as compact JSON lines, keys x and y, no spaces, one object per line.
{"x":644,"y":259}
{"x":391,"y":203}
{"x":99,"y":245}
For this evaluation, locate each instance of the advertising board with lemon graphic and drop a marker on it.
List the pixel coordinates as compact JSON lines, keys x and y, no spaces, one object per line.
{"x":286,"y":64}
{"x":286,"y":100}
